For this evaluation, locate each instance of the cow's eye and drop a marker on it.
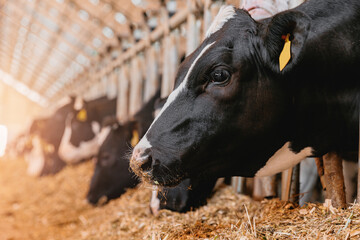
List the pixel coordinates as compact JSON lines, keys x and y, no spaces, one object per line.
{"x":220,"y":76}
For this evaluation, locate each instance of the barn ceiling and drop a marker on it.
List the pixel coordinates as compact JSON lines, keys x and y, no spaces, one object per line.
{"x":46,"y":44}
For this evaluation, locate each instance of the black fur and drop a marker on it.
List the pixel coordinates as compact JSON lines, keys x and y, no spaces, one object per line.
{"x":234,"y":128}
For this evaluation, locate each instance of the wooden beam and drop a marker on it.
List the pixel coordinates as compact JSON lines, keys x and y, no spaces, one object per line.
{"x":178,"y":19}
{"x":43,"y":41}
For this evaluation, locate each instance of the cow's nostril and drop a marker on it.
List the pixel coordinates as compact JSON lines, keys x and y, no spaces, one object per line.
{"x":156,"y":162}
{"x":146,"y":166}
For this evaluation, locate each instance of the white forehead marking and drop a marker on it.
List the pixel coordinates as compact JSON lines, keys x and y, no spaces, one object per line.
{"x":225,"y":13}
{"x":144,"y":143}
{"x":283,"y":159}
{"x":181,"y":87}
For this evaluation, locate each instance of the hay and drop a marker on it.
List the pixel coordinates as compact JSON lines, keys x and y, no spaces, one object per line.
{"x":54,"y":208}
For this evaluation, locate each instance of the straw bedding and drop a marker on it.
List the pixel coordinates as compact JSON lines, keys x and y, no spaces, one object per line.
{"x":54,"y":208}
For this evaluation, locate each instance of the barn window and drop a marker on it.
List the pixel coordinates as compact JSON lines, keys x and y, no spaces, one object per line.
{"x":108,"y":32}
{"x":136,"y":2}
{"x":94,"y":2}
{"x":96,"y":42}
{"x":84,"y":15}
{"x":120,"y":18}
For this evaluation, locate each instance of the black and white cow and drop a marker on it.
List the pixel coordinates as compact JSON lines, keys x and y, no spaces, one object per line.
{"x":45,"y":135}
{"x":234,"y":112}
{"x":68,"y":135}
{"x":112,"y":174}
{"x":82,"y":138}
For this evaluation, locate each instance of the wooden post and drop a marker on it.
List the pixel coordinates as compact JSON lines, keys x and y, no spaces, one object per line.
{"x":207,"y":19}
{"x":192,"y":31}
{"x":152,"y":76}
{"x":136,"y":85}
{"x":170,"y":58}
{"x":111,"y":88}
{"x":333,"y":172}
{"x":122,"y":110}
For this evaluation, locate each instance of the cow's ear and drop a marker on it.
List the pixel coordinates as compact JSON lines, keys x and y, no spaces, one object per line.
{"x":285,"y":36}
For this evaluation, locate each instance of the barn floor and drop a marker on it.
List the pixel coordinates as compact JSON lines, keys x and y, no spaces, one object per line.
{"x":54,"y":208}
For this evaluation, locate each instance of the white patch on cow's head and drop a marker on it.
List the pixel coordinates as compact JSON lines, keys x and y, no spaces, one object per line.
{"x":181,"y":87}
{"x":225,"y":13}
{"x":155,"y":202}
{"x":79,"y":103}
{"x":283,"y":159}
{"x":144,"y":143}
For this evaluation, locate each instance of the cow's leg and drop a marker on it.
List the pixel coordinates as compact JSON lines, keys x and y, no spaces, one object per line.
{"x":333,"y":172}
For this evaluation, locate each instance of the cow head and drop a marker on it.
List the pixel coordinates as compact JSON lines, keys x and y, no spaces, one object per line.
{"x":83,"y":128}
{"x":188,"y":195}
{"x":112,"y":175}
{"x":226,"y":113}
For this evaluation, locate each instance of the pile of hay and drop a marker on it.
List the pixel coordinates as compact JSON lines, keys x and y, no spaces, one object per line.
{"x":54,"y":208}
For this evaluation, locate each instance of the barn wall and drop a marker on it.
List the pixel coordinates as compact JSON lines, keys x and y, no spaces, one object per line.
{"x":16,"y":111}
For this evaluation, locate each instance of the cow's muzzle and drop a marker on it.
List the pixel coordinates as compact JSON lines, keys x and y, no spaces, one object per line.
{"x":142,"y":163}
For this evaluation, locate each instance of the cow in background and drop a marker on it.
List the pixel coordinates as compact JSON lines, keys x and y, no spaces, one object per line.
{"x":82,"y":135}
{"x":68,"y":135}
{"x":45,"y":134}
{"x":112,"y":175}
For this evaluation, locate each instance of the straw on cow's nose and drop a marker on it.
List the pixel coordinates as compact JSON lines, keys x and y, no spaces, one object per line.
{"x":141,"y":160}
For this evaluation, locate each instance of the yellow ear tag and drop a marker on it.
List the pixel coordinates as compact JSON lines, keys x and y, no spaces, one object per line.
{"x":285,"y":54}
{"x":135,"y":139}
{"x":82,"y":115}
